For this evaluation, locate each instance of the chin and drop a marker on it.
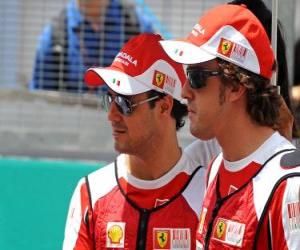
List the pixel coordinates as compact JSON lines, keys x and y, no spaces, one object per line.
{"x":118,"y":147}
{"x":200,"y":134}
{"x":122,"y":149}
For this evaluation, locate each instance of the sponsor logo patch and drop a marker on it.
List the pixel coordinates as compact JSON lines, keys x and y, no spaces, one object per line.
{"x":229,"y":232}
{"x":164,"y":81}
{"x":198,"y":30}
{"x":159,"y":79}
{"x":293,"y":210}
{"x":115,"y":234}
{"x":162,"y":238}
{"x":171,"y":238}
{"x":239,"y":52}
{"x":125,"y":59}
{"x":232,"y":50}
{"x":221,"y":229}
{"x":225,"y":47}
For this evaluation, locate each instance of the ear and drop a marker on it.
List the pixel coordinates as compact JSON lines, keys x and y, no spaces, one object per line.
{"x":166,"y":104}
{"x":236,"y":92}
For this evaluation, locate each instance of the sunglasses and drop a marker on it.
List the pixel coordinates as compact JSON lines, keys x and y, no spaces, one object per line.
{"x":124,"y":105}
{"x":197,"y":77}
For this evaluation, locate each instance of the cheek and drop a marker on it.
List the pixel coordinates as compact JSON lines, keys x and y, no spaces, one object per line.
{"x":139,"y":126}
{"x":207,"y":107}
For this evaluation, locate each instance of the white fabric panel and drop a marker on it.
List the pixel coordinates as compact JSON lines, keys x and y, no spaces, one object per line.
{"x":74,"y":219}
{"x":194,"y":194}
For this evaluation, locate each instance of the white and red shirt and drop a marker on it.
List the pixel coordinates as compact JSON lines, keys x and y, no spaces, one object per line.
{"x":118,"y":211}
{"x":236,"y":196}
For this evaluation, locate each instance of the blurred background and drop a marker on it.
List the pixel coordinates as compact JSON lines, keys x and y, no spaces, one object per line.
{"x":60,"y":124}
{"x":50,"y":137}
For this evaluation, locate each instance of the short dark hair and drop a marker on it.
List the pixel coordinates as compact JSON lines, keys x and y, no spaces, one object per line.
{"x":263,"y":100}
{"x":179,"y":110}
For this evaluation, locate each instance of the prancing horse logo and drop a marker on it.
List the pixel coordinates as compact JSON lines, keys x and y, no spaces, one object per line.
{"x":162,"y":238}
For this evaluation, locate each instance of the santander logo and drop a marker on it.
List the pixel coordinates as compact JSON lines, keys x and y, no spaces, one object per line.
{"x":197,"y":30}
{"x":125,"y":58}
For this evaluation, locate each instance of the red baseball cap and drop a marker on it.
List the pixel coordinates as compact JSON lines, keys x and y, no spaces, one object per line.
{"x":230,"y":32}
{"x":140,"y":66}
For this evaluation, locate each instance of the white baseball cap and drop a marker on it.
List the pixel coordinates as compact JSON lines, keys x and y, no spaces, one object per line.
{"x":230,"y":32}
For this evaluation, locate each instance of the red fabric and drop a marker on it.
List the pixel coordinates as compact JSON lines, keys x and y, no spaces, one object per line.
{"x":134,"y":59}
{"x":150,"y":198}
{"x":230,"y":181}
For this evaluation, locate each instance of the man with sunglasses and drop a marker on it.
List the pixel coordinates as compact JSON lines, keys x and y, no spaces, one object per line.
{"x":150,"y":197}
{"x":252,"y":199}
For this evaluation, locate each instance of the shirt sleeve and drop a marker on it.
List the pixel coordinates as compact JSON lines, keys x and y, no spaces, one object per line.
{"x":78,"y":231}
{"x":202,"y":152}
{"x":284,"y":216}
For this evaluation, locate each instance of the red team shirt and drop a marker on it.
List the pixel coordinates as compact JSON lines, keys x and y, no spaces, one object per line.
{"x":231,"y":221}
{"x":129,"y":213}
{"x":117,"y":221}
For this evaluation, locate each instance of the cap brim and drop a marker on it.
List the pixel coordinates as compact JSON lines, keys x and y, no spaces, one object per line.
{"x":117,"y":80}
{"x":184,"y":52}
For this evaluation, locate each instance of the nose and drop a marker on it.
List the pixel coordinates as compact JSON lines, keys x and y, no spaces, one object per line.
{"x":187,"y":91}
{"x":113,"y":113}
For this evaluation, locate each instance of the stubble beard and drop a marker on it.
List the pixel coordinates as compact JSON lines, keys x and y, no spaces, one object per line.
{"x":137,"y":147}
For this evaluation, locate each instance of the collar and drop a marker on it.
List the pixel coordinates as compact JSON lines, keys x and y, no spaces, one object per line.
{"x":272,"y":145}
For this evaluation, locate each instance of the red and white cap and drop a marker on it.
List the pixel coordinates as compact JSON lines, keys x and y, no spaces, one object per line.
{"x":140,"y":66}
{"x":230,"y":32}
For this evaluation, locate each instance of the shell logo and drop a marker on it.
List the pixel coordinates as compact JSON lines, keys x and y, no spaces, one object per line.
{"x":115,"y":234}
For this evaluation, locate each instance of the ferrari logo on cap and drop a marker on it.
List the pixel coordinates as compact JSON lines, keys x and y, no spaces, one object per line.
{"x":225,"y":47}
{"x":159,"y":79}
{"x":230,"y":49}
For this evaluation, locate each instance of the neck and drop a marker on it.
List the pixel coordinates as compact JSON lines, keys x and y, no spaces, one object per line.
{"x":241,"y":137}
{"x":157,"y":161}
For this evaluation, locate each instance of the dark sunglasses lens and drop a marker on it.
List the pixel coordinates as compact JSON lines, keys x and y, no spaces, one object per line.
{"x":107,"y":100}
{"x":196,"y":79}
{"x":123,"y":105}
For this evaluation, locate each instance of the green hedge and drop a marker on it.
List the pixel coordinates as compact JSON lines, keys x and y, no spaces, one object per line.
{"x":35,"y":195}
